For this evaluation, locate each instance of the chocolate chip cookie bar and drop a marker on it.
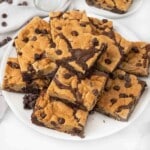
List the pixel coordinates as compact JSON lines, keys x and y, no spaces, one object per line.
{"x":121,"y":95}
{"x":71,"y":51}
{"x":138,"y":60}
{"x":117,"y":6}
{"x":13,"y":80}
{"x":30,"y":44}
{"x":59,"y":116}
{"x":70,"y":89}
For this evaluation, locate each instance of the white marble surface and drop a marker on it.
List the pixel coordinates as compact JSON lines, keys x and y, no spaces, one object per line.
{"x":14,"y":135}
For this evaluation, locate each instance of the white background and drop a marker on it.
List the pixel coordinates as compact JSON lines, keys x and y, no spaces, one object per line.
{"x":14,"y":135}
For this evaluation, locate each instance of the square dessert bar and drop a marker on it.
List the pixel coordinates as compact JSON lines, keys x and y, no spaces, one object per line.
{"x":117,"y":6}
{"x":13,"y":80}
{"x":70,"y":89}
{"x":138,"y":60}
{"x":31,"y":43}
{"x":121,"y":95}
{"x":59,"y":116}
{"x":75,"y":46}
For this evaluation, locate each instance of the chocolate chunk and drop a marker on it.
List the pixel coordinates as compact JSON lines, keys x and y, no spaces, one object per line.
{"x":108,"y":61}
{"x":4,"y":15}
{"x":67,"y":75}
{"x":61,"y":120}
{"x":29,"y":101}
{"x":116,"y":87}
{"x":43,"y":115}
{"x":4,"y":24}
{"x":37,"y":56}
{"x":52,"y":45}
{"x":95,"y":92}
{"x":104,"y":20}
{"x":13,"y":65}
{"x":59,"y":28}
{"x":53,"y":123}
{"x":128,"y":84}
{"x":74,"y":33}
{"x":135,"y":50}
{"x":58,"y":52}
{"x":113,"y":101}
{"x":26,"y":39}
{"x":37,"y":31}
{"x":95,"y":42}
{"x":121,"y":77}
{"x":123,"y":95}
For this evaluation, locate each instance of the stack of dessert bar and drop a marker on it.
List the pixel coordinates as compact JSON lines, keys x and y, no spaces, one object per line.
{"x":73,"y":65}
{"x":116,"y":6}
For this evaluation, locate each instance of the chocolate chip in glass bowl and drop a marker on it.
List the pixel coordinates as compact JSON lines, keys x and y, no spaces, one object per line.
{"x":4,"y":15}
{"x":4,"y":24}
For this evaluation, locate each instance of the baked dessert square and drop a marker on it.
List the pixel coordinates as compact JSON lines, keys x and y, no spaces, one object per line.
{"x":59,"y":116}
{"x":70,"y":89}
{"x":31,"y":43}
{"x":117,"y":6}
{"x":120,"y":96}
{"x":13,"y":80}
{"x":68,"y":31}
{"x":138,"y":60}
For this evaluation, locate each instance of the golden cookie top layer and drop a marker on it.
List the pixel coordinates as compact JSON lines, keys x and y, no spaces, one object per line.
{"x":13,"y":79}
{"x":82,"y":93}
{"x":121,"y":94}
{"x":138,"y":60}
{"x":57,"y":115}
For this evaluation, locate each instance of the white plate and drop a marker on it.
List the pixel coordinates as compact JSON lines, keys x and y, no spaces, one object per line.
{"x":98,"y":125}
{"x":134,"y":7}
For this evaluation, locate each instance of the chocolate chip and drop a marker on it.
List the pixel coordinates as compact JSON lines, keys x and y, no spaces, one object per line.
{"x":61,"y":120}
{"x":128,"y":84}
{"x":58,"y":52}
{"x":13,"y":65}
{"x":145,"y":56}
{"x":14,"y":44}
{"x":116,"y":87}
{"x":135,"y":49}
{"x":121,"y":77}
{"x":37,"y":31}
{"x":37,"y":56}
{"x":44,"y":31}
{"x":108,"y":61}
{"x":19,"y":53}
{"x":4,"y":24}
{"x":43,"y":115}
{"x":127,"y":78}
{"x":52,"y":45}
{"x":138,"y":64}
{"x":112,"y":76}
{"x":106,"y":89}
{"x":29,"y":100}
{"x":26,"y":39}
{"x":74,"y":33}
{"x":67,"y":75}
{"x":34,"y":38}
{"x":10,"y":1}
{"x":83,"y":24}
{"x":104,"y":20}
{"x":53,"y":123}
{"x":95,"y":92}
{"x":4,"y":15}
{"x":25,"y":3}
{"x":95,"y":42}
{"x":123,"y":95}
{"x":147,"y":47}
{"x":113,"y":101}
{"x":59,"y":28}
